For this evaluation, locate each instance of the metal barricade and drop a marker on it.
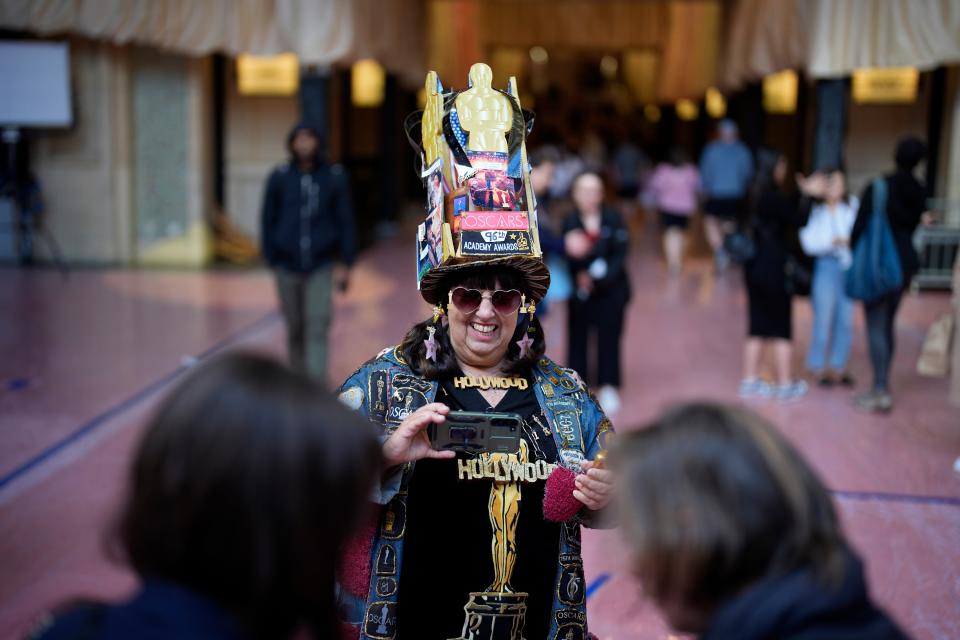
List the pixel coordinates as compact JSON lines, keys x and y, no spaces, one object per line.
{"x":937,"y":246}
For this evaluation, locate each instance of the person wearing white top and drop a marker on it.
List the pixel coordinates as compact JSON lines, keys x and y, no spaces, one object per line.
{"x":826,"y":236}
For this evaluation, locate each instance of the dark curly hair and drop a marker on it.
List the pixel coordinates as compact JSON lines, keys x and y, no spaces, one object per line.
{"x":481,"y":277}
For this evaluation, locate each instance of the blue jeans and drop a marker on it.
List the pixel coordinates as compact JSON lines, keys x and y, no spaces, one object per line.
{"x":832,"y":317}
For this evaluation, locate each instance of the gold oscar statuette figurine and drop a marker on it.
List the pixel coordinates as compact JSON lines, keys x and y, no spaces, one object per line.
{"x":484,"y":113}
{"x":431,"y":121}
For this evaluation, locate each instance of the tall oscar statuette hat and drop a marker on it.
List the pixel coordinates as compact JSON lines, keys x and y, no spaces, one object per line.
{"x":481,"y":209}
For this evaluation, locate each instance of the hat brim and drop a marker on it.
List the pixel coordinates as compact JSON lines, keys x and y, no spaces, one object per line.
{"x":533,"y":270}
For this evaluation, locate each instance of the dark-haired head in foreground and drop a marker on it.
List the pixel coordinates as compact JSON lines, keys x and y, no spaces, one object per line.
{"x":243,"y":490}
{"x":733,"y":533}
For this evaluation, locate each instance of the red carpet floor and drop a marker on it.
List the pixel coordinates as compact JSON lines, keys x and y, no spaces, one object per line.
{"x":84,"y":360}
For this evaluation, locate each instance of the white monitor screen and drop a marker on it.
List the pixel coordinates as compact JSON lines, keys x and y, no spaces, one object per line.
{"x":35,"y":84}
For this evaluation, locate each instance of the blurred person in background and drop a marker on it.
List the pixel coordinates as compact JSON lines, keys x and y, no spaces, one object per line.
{"x":597,"y":243}
{"x":593,"y":148}
{"x":20,"y":187}
{"x":543,"y":164}
{"x":775,"y":217}
{"x":733,"y":535}
{"x":673,"y":190}
{"x":905,"y":209}
{"x":568,"y":167}
{"x":307,"y":227}
{"x":726,"y":169}
{"x":827,"y":237}
{"x":627,"y":164}
{"x":243,"y":490}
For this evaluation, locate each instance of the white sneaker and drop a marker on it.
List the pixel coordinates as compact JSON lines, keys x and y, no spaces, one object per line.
{"x":755,"y":388}
{"x":609,"y":400}
{"x":791,"y":391}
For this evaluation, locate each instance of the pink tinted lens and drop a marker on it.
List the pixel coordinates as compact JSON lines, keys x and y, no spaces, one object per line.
{"x":467,"y":300}
{"x":506,"y":302}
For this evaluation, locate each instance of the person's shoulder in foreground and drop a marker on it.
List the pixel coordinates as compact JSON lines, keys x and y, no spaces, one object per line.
{"x":797,"y":607}
{"x":161,"y":611}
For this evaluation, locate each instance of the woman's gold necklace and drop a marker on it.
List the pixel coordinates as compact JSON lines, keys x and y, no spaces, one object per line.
{"x":485,"y":383}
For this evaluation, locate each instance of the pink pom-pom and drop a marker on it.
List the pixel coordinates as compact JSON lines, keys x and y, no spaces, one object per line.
{"x":354,"y":571}
{"x":559,"y":505}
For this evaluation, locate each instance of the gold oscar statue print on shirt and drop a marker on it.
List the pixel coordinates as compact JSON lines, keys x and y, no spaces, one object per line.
{"x":504,"y":508}
{"x":499,"y":612}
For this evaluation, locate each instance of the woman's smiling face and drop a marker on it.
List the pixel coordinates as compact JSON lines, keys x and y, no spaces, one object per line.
{"x":481,"y":338}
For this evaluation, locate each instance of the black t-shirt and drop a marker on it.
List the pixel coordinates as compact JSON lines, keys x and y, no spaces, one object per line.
{"x":447,"y":547}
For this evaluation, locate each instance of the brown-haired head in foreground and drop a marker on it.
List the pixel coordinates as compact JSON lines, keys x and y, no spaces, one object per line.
{"x":715,"y":499}
{"x":244,"y":488}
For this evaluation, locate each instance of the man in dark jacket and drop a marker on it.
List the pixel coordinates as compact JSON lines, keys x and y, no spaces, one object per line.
{"x":307,"y":225}
{"x":905,"y":210}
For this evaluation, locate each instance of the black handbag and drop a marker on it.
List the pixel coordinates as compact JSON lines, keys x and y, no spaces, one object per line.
{"x":799,"y":278}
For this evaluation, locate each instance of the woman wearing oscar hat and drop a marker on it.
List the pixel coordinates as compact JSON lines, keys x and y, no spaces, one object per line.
{"x":479,"y":545}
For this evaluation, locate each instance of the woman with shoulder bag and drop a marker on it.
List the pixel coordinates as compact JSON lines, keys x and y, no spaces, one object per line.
{"x":904,"y":209}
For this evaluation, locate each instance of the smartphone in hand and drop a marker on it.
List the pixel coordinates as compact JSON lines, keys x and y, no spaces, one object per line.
{"x":477,"y":432}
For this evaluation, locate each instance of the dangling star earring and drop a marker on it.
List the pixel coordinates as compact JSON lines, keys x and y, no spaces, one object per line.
{"x":431,"y":344}
{"x":525,"y":343}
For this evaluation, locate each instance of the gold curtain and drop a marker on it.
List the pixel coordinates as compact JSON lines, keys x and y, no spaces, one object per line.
{"x":690,"y":50}
{"x":763,"y":37}
{"x":454,"y":40}
{"x":680,"y":38}
{"x":584,"y":24}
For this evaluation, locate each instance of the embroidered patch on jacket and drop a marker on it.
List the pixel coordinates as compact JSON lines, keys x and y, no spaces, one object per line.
{"x":381,"y":620}
{"x":352,"y":397}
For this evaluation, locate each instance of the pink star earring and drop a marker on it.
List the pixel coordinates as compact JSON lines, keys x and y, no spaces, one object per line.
{"x":431,"y":344}
{"x":525,"y":343}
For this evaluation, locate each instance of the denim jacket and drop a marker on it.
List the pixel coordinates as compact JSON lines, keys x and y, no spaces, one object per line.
{"x":386,"y":391}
